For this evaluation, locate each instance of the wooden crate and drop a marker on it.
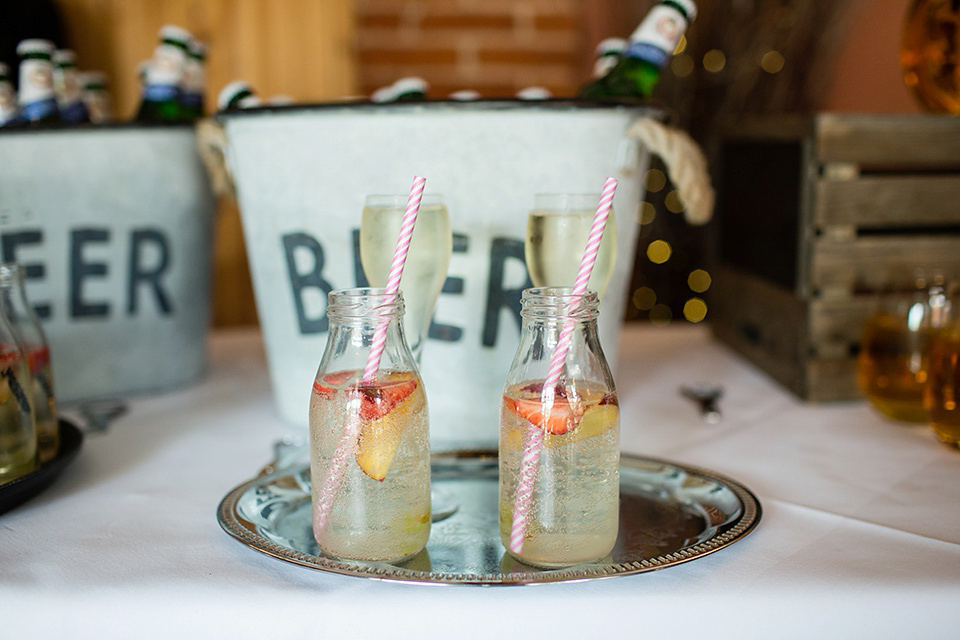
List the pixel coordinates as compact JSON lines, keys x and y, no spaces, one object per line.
{"x":813,"y":215}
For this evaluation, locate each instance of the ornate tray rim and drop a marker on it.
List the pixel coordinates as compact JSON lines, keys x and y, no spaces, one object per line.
{"x":246,"y":533}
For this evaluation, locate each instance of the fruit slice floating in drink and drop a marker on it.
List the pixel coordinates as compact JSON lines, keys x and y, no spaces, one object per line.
{"x":385,"y":405}
{"x":574,"y":415}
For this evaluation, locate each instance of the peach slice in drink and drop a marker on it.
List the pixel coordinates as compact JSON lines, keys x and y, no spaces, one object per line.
{"x":384,"y":411}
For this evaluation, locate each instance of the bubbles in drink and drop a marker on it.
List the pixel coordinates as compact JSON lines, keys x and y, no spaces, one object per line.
{"x":382,"y":509}
{"x":574,"y":512}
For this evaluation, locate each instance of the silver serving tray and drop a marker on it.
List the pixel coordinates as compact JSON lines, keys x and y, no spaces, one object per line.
{"x":669,"y":514}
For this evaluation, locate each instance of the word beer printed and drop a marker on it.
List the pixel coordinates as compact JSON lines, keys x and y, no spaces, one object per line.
{"x":305,"y":261}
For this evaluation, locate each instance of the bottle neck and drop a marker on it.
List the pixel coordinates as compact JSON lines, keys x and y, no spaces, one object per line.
{"x":364,"y":305}
{"x":548,"y":305}
{"x":657,"y":37}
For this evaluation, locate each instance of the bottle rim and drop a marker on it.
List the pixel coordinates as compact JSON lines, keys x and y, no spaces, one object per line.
{"x":364,"y":303}
{"x":558,"y":303}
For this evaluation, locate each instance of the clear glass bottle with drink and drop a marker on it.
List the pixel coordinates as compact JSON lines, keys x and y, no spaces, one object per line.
{"x":16,"y":309}
{"x":369,"y":436}
{"x":38,"y":101}
{"x":572,"y":516}
{"x":18,"y":432}
{"x":651,"y":45}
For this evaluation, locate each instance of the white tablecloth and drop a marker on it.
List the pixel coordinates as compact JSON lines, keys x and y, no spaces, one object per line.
{"x":860,"y":536}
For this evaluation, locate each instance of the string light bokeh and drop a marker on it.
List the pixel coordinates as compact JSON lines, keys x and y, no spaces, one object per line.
{"x":672,"y":280}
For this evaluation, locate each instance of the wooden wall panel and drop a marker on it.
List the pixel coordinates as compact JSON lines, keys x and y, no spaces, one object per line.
{"x":300,"y":48}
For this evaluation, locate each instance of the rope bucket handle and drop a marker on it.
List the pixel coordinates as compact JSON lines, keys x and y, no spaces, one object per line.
{"x":685,"y":162}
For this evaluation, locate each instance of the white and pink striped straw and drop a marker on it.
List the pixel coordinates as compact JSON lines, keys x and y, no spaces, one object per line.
{"x":534,"y":444}
{"x":347,"y":446}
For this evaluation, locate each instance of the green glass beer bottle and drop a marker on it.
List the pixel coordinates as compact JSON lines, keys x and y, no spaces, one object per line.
{"x":194,"y":80}
{"x":237,"y":95}
{"x":651,"y":45}
{"x":38,"y":102}
{"x":66,"y":82}
{"x":163,"y":77}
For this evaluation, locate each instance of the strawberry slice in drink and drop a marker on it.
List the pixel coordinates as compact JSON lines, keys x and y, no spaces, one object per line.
{"x":331,"y":381}
{"x":556,"y":419}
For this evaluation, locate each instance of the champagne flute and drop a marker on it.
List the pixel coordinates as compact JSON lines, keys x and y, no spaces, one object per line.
{"x":427,"y":261}
{"x":557,"y":231}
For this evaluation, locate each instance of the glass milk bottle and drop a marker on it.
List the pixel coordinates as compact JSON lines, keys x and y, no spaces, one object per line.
{"x":18,"y":434}
{"x":369,"y":435}
{"x":562,"y":452}
{"x":39,"y":385}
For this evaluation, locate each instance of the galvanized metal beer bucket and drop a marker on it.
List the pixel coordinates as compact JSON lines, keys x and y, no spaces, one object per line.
{"x":114,"y":226}
{"x":301,"y":175}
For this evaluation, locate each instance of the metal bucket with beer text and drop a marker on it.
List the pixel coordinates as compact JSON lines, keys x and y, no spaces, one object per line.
{"x":114,"y":225}
{"x":301,"y":175}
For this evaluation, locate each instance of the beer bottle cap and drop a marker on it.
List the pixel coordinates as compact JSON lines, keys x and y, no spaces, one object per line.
{"x":534,"y":93}
{"x":197,"y":50}
{"x":175,"y":35}
{"x":610,"y":46}
{"x":35,"y":47}
{"x":465,"y":95}
{"x":689,"y":7}
{"x":410,"y":85}
{"x":237,"y":95}
{"x":94,"y":80}
{"x":64,"y":58}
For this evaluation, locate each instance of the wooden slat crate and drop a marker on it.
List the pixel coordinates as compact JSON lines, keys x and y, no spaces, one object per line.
{"x":813,"y":215}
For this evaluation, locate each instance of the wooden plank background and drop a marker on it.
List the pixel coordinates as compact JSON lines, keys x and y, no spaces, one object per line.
{"x":300,"y":48}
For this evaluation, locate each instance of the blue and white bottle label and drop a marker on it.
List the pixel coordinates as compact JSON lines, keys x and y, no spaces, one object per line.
{"x":657,"y":37}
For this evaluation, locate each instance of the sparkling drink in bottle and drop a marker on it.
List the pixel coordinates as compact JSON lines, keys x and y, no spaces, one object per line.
{"x":38,"y":385}
{"x":573,"y":512}
{"x":18,"y":432}
{"x":369,"y":437}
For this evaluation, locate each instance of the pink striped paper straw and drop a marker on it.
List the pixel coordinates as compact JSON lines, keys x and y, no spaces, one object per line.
{"x":347,"y":446}
{"x":531,"y":453}
{"x":396,"y":272}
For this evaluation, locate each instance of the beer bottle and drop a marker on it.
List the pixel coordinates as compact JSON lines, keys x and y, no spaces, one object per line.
{"x":651,"y":45}
{"x":67,"y":87}
{"x":194,"y":80}
{"x":164,"y":75}
{"x":38,"y":102}
{"x":534,"y":93}
{"x":607,"y":54}
{"x":96,"y":96}
{"x":38,"y":386}
{"x":237,"y":95}
{"x":9,"y":114}
{"x":411,"y":89}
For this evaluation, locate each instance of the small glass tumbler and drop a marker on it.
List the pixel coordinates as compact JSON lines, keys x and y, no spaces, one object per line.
{"x":893,"y":365}
{"x":942,"y":391}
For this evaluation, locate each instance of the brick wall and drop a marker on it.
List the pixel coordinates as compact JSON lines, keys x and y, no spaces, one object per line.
{"x":495,"y":47}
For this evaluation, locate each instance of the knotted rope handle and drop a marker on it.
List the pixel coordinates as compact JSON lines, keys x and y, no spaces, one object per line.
{"x":685,"y":162}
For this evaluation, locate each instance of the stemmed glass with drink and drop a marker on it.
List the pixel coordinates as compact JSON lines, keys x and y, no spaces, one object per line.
{"x":557,"y":231}
{"x":427,"y":261}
